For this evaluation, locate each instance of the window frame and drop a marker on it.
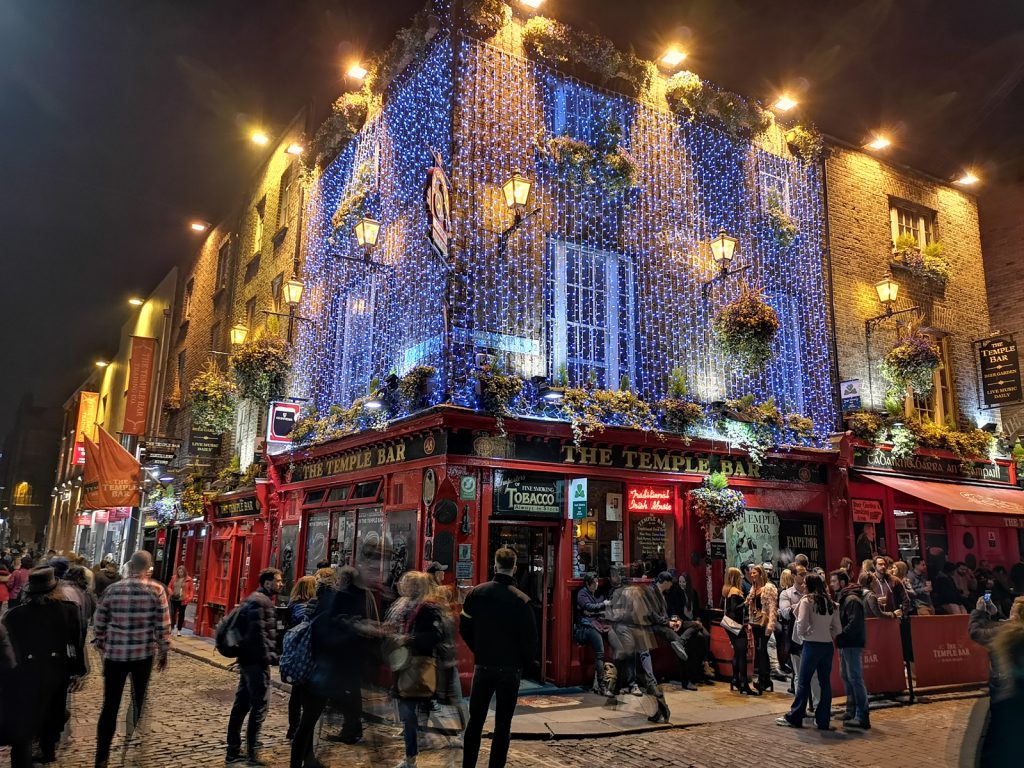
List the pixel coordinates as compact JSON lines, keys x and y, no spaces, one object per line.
{"x":939,"y":407}
{"x":186,"y":302}
{"x":919,"y":220}
{"x":559,"y":321}
{"x":223,"y":265}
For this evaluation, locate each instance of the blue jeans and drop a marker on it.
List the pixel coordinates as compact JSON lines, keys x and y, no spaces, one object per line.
{"x":252,"y":698}
{"x":851,"y":667}
{"x":595,"y":641}
{"x":816,"y":658}
{"x":408,"y":710}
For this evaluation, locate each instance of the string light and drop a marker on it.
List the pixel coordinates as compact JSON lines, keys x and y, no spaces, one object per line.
{"x":650,"y":243}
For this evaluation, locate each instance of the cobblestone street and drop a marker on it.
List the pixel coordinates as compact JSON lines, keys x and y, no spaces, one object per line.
{"x":188,"y":709}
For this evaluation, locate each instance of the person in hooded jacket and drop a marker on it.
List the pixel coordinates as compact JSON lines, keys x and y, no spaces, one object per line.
{"x":851,"y":641}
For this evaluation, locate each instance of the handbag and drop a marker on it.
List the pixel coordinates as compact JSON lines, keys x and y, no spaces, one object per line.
{"x":418,"y":678}
{"x":730,"y":625}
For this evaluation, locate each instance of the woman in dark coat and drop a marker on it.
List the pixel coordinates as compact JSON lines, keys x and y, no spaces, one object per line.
{"x":46,"y":634}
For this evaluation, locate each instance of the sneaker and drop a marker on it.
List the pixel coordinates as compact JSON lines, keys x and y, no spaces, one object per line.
{"x":785,"y":721}
{"x":689,"y":687}
{"x":856,"y":722}
{"x":234,"y":759}
{"x":846,"y":717}
{"x":634,"y":690}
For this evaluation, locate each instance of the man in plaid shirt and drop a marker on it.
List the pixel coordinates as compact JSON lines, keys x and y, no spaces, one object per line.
{"x":132,"y":626}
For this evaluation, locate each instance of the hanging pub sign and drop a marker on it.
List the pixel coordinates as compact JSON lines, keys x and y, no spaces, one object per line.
{"x":999,"y":366}
{"x":160,"y":451}
{"x":439,"y":207}
{"x":281,"y":422}
{"x":247,"y":505}
{"x":850,"y":392}
{"x":528,"y":495}
{"x":203,"y":442}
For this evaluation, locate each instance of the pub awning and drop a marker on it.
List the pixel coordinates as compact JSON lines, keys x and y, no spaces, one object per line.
{"x":959,"y":497}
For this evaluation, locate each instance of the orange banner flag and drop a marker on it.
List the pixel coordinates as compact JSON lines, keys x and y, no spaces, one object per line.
{"x":111,"y":474}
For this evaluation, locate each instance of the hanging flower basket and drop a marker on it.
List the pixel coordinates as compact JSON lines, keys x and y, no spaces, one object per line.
{"x":681,"y":416}
{"x":212,"y":398}
{"x":260,"y":368}
{"x":746,"y":328}
{"x":497,"y":391}
{"x":911,"y":363}
{"x":417,"y":386}
{"x":715,"y":504}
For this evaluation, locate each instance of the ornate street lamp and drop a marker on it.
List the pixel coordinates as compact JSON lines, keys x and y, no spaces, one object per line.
{"x":888,"y":289}
{"x":293,"y":292}
{"x":367,"y":231}
{"x":239,"y":333}
{"x":517,"y":191}
{"x":723,"y":248}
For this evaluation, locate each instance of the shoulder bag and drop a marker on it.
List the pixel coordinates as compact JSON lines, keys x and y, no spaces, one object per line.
{"x":728,"y":623}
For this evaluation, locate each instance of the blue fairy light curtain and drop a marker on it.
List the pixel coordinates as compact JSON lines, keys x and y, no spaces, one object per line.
{"x":602,"y":280}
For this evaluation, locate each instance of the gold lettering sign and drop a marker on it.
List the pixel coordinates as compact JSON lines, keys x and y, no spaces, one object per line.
{"x":660,"y":461}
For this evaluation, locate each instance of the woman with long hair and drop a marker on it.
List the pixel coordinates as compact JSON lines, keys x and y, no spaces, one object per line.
{"x":181,"y":591}
{"x":303,"y":591}
{"x":818,"y":624}
{"x":419,"y":630}
{"x":762,"y":608}
{"x":733,"y":604}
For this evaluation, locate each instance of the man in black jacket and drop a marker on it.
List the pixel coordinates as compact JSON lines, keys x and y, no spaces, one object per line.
{"x":851,"y":643}
{"x":258,"y":650}
{"x":498,"y":626}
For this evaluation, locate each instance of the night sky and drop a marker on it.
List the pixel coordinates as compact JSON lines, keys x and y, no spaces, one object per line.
{"x":123,"y":119}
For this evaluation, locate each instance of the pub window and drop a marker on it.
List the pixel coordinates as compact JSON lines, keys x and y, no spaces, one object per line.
{"x":368,"y":490}
{"x":652,"y":530}
{"x":770,"y":536}
{"x":314,"y":497}
{"x":590,"y":314}
{"x":339,"y":493}
{"x":598,"y":537}
{"x":916,"y":222}
{"x":938,"y":407}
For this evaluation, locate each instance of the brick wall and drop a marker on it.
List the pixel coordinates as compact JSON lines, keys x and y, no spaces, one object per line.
{"x":1002,"y":238}
{"x":860,"y":188}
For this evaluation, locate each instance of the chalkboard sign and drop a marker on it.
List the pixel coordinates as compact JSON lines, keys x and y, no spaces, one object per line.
{"x":651,"y":538}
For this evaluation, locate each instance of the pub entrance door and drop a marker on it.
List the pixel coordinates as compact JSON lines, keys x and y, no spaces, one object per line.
{"x":536,"y":547}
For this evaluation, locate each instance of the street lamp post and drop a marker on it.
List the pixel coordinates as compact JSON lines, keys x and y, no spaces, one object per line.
{"x":888,"y":290}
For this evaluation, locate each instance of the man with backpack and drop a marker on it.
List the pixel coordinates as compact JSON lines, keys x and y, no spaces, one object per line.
{"x":851,"y":642}
{"x":249,"y":634}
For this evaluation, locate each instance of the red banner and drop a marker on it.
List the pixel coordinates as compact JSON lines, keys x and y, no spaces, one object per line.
{"x":111,"y":475}
{"x":882,"y":659}
{"x":140,"y":379}
{"x":944,"y":654}
{"x":85,"y":426}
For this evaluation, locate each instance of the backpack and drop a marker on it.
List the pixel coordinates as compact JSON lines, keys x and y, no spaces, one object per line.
{"x":297,"y":654}
{"x":230,"y":632}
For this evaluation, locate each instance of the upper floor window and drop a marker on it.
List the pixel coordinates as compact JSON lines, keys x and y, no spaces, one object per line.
{"x":590,"y":314}
{"x":773,"y":176}
{"x":252,"y":268}
{"x":275,"y":291}
{"x":186,"y":302}
{"x":223,"y":265}
{"x":250,"y":313}
{"x":23,"y":494}
{"x":916,"y":222}
{"x":215,"y":337}
{"x":938,"y":407}
{"x":258,"y":213}
{"x":285,"y":195}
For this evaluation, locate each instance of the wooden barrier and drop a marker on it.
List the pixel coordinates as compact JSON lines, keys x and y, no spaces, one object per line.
{"x":944,"y":654}
{"x":882,"y":657}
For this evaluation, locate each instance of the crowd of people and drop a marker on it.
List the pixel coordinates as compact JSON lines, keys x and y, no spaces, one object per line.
{"x":338,"y":636}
